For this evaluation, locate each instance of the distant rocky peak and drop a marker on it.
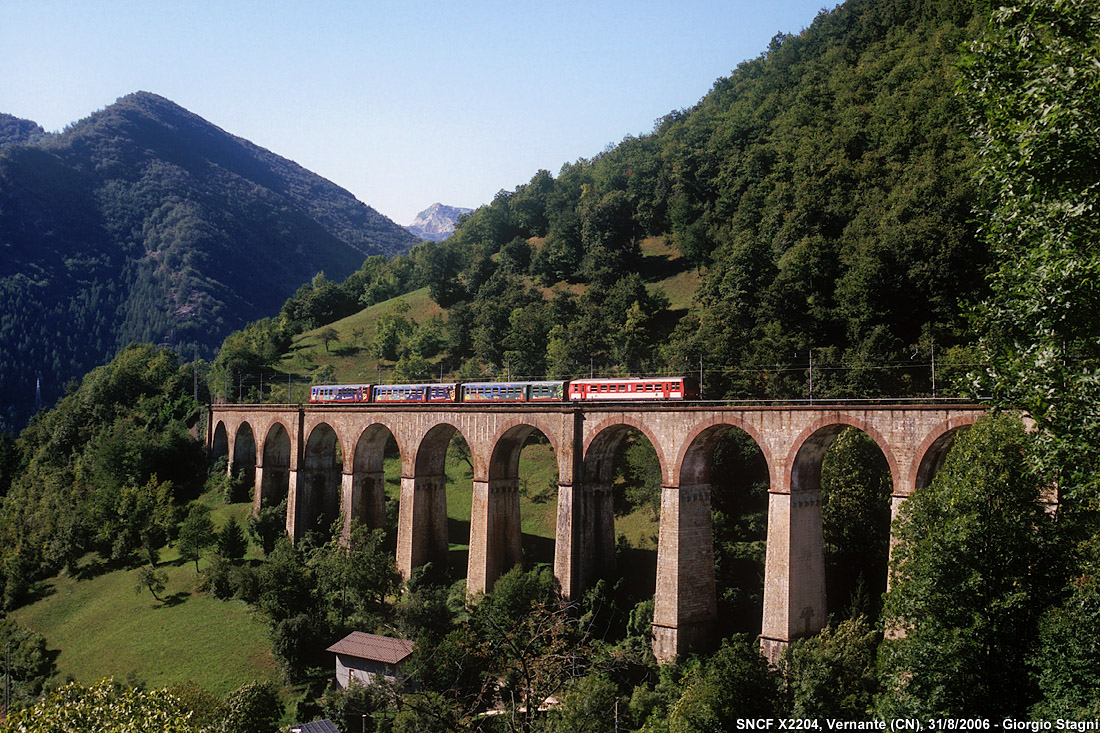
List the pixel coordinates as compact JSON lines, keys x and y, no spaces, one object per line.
{"x":436,"y":222}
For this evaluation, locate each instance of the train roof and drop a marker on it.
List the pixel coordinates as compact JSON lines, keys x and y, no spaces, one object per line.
{"x":500,"y":384}
{"x":620,"y":380}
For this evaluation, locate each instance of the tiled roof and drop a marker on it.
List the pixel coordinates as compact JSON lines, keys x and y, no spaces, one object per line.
{"x":374,"y":647}
{"x":317,"y":726}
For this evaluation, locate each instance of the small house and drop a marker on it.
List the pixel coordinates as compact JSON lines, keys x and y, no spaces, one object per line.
{"x":360,"y":657}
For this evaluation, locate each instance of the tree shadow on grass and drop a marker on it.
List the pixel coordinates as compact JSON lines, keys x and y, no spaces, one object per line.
{"x":346,"y":350}
{"x":537,"y":550}
{"x":173,"y":600}
{"x":657,"y":267}
{"x":97,"y":566}
{"x":458,"y":560}
{"x":638,"y":570}
{"x":458,"y":563}
{"x":38,"y":592}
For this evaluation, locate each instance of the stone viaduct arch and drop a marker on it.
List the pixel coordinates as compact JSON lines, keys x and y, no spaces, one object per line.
{"x":242,"y":454}
{"x":340,"y":448}
{"x":219,"y":443}
{"x":273,"y":470}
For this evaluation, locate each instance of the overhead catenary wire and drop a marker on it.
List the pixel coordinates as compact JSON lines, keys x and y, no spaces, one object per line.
{"x":259,"y":385}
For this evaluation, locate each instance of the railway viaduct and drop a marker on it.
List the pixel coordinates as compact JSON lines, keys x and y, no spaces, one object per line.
{"x":326,"y":460}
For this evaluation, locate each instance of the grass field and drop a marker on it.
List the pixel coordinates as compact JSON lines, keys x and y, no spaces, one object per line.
{"x":100,"y":627}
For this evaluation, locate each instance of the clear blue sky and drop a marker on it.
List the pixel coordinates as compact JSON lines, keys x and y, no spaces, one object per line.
{"x":403,"y":103}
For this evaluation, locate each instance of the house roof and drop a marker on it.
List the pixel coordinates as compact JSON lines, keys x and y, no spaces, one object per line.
{"x":317,"y":726}
{"x":374,"y":647}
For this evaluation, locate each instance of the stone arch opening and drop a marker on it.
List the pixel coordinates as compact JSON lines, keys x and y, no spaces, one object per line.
{"x":275,"y":480}
{"x":219,"y":443}
{"x":442,"y":478}
{"x":497,"y":542}
{"x":936,"y":453}
{"x":856,"y":488}
{"x":242,"y":469}
{"x":620,"y":496}
{"x":842,"y":475}
{"x":367,"y":503}
{"x":320,"y":475}
{"x":725,"y":466}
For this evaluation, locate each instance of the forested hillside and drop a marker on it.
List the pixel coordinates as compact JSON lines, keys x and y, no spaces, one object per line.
{"x":144,"y":222}
{"x":823,"y":191}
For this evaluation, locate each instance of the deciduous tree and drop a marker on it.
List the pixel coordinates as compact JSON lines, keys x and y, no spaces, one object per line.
{"x":969,"y":581}
{"x":1035,"y":107}
{"x":196,"y":533}
{"x":105,"y":707}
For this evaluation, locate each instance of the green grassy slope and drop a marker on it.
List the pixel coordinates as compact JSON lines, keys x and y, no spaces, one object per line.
{"x":101,"y":628}
{"x":662,"y":267}
{"x":348,"y":354}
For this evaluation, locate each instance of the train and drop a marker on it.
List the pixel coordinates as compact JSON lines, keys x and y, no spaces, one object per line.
{"x":643,"y":389}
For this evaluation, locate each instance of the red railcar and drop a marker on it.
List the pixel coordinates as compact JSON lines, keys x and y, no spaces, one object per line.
{"x":635,"y":389}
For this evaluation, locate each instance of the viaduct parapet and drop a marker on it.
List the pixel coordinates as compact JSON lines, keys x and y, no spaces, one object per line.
{"x":327,"y":461}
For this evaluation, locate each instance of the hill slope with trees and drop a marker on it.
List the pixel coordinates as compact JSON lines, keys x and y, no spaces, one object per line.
{"x":144,"y":222}
{"x":823,"y":191}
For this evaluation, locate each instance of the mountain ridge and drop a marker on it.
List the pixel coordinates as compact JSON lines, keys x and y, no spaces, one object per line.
{"x":145,"y":222}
